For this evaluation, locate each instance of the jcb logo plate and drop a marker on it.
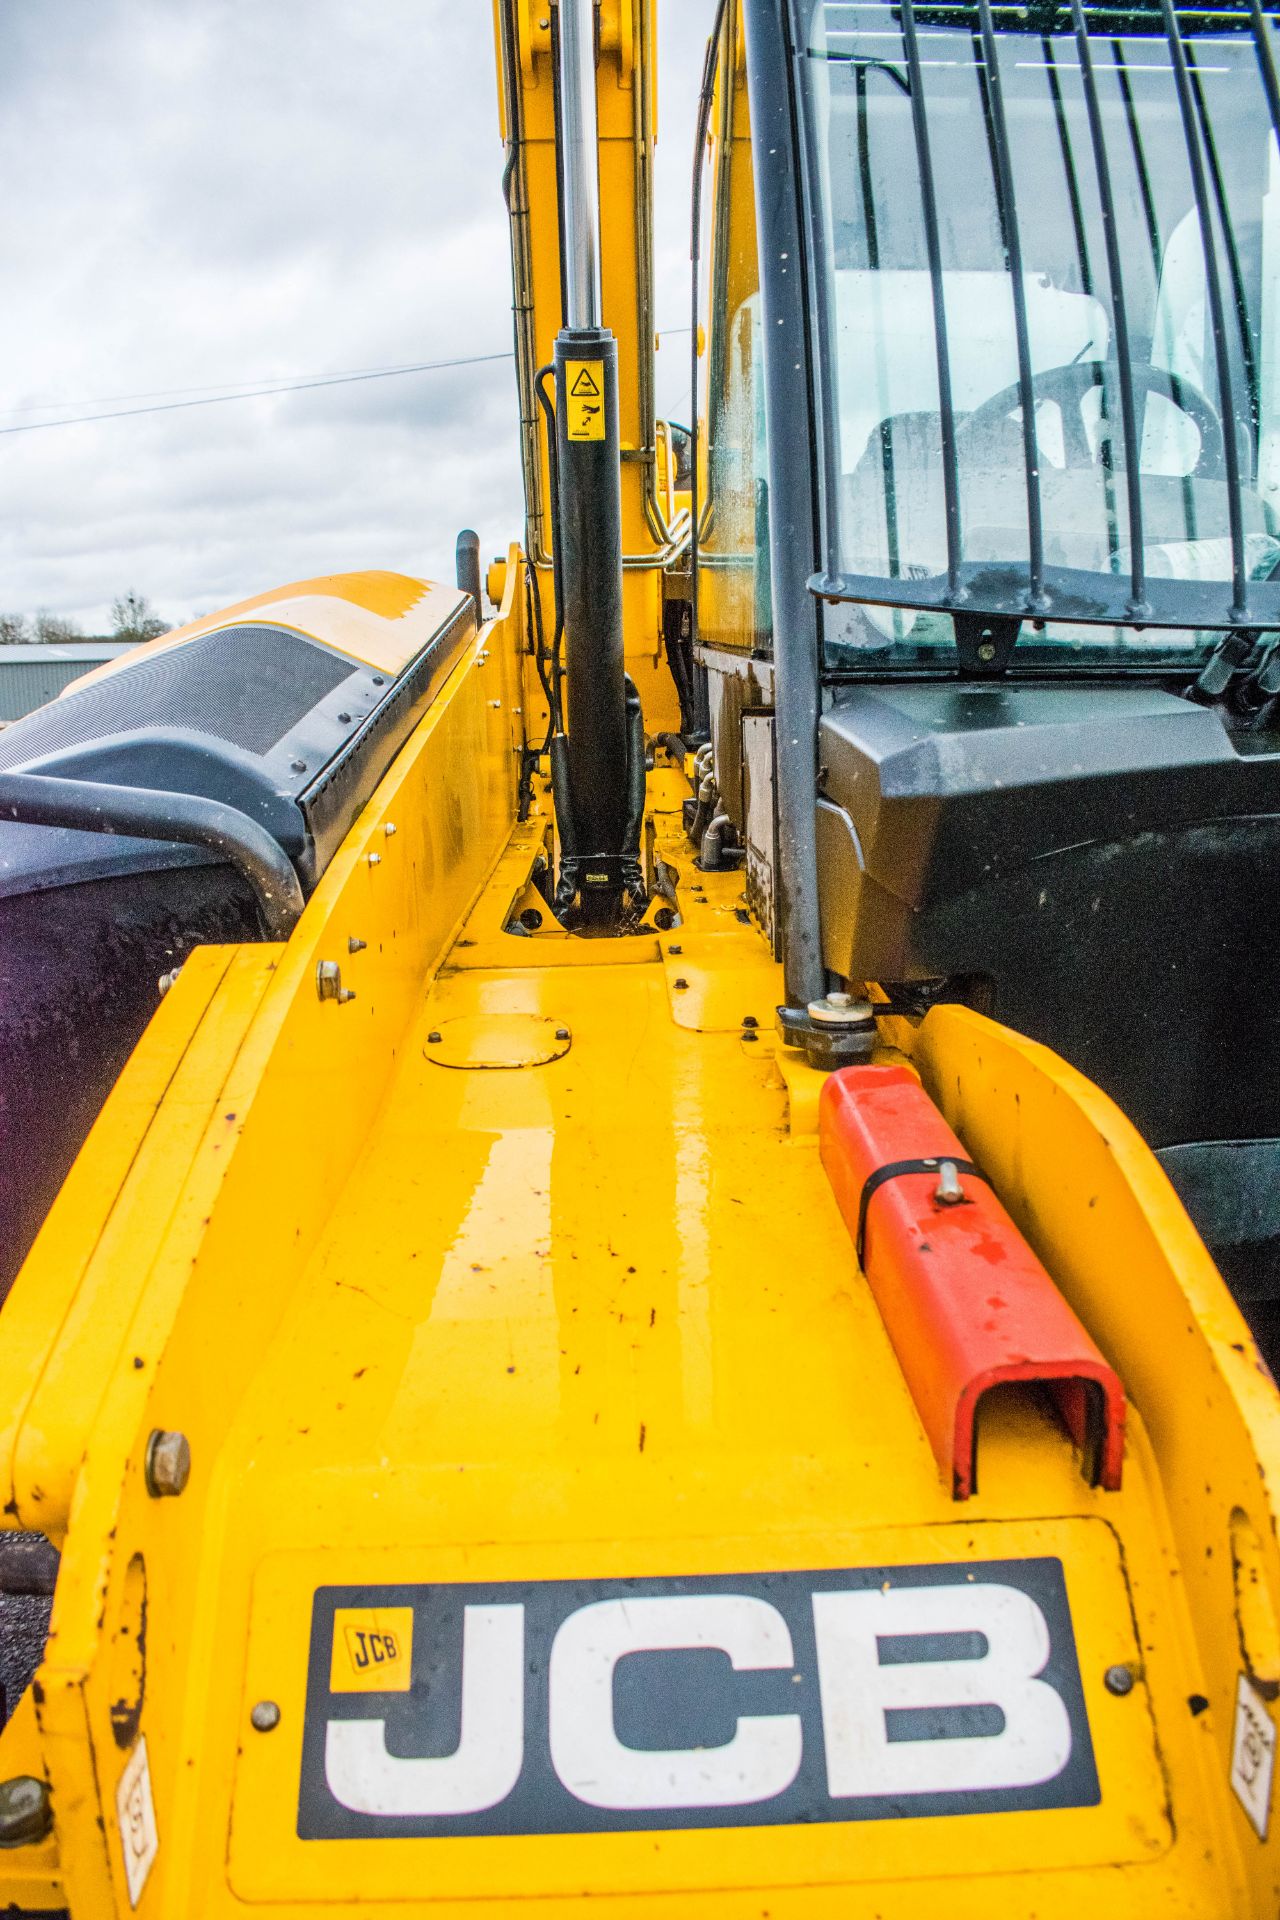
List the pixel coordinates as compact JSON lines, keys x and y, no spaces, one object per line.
{"x":580,"y":1706}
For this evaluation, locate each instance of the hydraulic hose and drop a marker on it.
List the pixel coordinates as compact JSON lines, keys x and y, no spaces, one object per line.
{"x":184,"y":819}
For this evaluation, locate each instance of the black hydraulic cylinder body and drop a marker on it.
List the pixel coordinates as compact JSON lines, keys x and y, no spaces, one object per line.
{"x":590,"y":534}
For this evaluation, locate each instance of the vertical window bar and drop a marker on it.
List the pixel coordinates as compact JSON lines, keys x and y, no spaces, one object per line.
{"x":1086,"y":275}
{"x":1119,"y":315}
{"x":1262,"y":41}
{"x":1217,"y":316}
{"x":1228,"y":237}
{"x":1013,"y":249}
{"x":873,"y":261}
{"x":933,"y":246}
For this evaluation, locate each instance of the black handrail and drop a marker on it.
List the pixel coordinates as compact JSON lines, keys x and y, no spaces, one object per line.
{"x":185,"y":819}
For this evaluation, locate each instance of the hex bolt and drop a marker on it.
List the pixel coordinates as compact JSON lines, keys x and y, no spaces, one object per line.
{"x":25,"y":1813}
{"x":265,"y":1717}
{"x":374,"y":859}
{"x":675,"y":949}
{"x":1118,"y":1679}
{"x":433,"y":1038}
{"x":680,"y":985}
{"x":329,"y":981}
{"x":356,"y":945}
{"x":389,"y":827}
{"x":168,"y":1463}
{"x":749,"y":1036}
{"x":749,"y":1020}
{"x":168,"y":980}
{"x":562,"y":1033}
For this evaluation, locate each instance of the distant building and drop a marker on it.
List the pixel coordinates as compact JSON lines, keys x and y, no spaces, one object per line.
{"x":30,"y":675}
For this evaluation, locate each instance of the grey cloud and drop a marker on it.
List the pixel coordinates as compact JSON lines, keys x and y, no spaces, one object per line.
{"x":205,"y":191}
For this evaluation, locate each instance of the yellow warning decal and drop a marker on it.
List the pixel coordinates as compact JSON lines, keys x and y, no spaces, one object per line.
{"x":372,"y":1650}
{"x":584,"y":392}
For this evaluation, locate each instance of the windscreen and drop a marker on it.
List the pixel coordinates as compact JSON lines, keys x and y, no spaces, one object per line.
{"x":1048,"y":253}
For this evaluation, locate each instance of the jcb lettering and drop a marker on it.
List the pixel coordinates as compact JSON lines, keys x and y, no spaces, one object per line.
{"x":563,"y":1706}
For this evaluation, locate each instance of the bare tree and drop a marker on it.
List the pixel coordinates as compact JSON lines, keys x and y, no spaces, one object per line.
{"x":15,"y":629}
{"x":53,"y":631}
{"x":133,"y":618}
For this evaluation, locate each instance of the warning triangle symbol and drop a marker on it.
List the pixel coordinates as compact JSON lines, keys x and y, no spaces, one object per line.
{"x":584,"y":387}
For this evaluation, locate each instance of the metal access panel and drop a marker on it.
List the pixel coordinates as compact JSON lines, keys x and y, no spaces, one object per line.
{"x":761,"y":834}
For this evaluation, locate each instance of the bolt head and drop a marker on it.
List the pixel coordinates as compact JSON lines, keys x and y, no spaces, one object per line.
{"x":675,"y":949}
{"x":986,"y":651}
{"x":328,"y":980}
{"x":841,"y":1010}
{"x":562,"y":1033}
{"x":25,"y":1813}
{"x":389,"y":827}
{"x":356,"y":945}
{"x":433,"y":1038}
{"x":168,"y":1463}
{"x":680,"y":985}
{"x":265,"y":1717}
{"x":374,"y":859}
{"x":1118,"y":1680}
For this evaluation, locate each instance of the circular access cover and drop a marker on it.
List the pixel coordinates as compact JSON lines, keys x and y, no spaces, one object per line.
{"x":478,"y":1040}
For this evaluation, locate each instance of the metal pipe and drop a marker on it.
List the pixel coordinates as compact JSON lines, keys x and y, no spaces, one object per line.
{"x":578,"y":148}
{"x":793,"y":507}
{"x":187,"y":819}
{"x":466,"y":561}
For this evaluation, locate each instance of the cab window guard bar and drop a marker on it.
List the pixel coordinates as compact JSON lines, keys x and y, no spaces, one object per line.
{"x":987,"y":589}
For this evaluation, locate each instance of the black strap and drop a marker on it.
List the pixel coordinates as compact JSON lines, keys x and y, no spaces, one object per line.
{"x":891,"y":1171}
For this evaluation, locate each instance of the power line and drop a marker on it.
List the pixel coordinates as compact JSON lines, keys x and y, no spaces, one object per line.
{"x":260,"y":393}
{"x":221,"y":390}
{"x":228,"y":387}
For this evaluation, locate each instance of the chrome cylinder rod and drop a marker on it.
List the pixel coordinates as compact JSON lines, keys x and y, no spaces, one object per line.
{"x":581,"y":185}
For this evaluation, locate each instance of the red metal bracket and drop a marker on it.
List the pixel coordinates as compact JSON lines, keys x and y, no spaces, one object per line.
{"x":967,"y":1304}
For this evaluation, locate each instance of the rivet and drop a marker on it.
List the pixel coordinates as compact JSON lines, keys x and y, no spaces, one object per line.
{"x":433,"y":1038}
{"x":680,"y":985}
{"x":1118,"y":1679}
{"x":25,"y":1813}
{"x":168,"y":1463}
{"x":265,"y":1717}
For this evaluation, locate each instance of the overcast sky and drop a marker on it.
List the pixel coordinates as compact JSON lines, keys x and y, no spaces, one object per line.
{"x":205,"y":194}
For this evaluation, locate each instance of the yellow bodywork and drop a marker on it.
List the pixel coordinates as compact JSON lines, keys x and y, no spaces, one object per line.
{"x":586,"y":1314}
{"x":518,"y":1265}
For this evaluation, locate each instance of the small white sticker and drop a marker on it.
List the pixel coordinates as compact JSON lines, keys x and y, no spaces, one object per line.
{"x":1253,"y":1756}
{"x":136,"y":1813}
